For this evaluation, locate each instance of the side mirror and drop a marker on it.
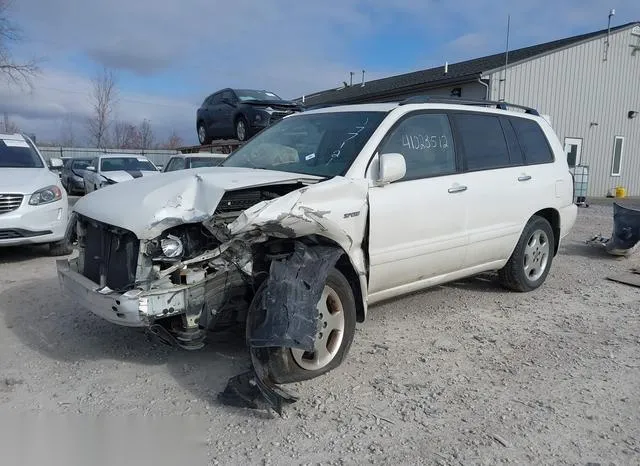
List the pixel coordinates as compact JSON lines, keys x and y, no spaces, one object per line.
{"x":90,"y":168}
{"x":56,"y":163}
{"x":392,"y":168}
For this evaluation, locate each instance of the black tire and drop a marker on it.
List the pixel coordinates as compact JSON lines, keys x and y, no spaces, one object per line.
{"x":282,"y":365}
{"x":513,"y":275}
{"x":241,"y":120}
{"x":203,"y":129}
{"x":60,"y":248}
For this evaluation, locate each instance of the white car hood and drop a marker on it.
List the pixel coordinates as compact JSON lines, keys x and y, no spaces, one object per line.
{"x":121,"y":175}
{"x":26,"y":180}
{"x":147,"y":206}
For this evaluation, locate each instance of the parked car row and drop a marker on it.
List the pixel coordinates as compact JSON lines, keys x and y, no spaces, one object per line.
{"x":83,"y":175}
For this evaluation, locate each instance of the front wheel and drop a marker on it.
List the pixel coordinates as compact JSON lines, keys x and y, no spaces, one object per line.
{"x":242,"y":129}
{"x":530,"y":262}
{"x":337,"y":325}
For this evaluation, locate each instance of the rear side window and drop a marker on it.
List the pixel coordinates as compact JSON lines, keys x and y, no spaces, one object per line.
{"x":533,"y":141}
{"x":515,"y":152}
{"x":426,"y":142}
{"x":482,"y":141}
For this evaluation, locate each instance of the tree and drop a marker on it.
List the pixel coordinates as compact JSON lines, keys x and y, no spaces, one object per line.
{"x":14,"y":71}
{"x":146,"y":135}
{"x":174,"y":141}
{"x":67,"y":136}
{"x":7,"y":126}
{"x":124,"y":135}
{"x":103,"y":97}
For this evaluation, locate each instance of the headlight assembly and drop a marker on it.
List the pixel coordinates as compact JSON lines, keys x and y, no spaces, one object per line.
{"x":46,"y":195}
{"x":171,"y":246}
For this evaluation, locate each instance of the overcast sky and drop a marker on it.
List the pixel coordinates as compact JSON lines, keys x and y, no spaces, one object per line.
{"x":170,"y":54}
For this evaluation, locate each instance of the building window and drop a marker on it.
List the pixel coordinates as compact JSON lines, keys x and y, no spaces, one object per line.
{"x":618,"y":146}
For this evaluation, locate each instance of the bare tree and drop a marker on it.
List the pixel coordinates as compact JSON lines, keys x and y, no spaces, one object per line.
{"x":14,"y":71}
{"x":174,"y":141}
{"x":125,"y":135}
{"x":67,"y":136}
{"x":103,"y":96}
{"x":7,"y":126}
{"x":146,"y":135}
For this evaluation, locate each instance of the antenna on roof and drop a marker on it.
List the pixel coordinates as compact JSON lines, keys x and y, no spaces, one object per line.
{"x":612,"y":13}
{"x":351,"y":73}
{"x":506,"y":63}
{"x":362,"y":85}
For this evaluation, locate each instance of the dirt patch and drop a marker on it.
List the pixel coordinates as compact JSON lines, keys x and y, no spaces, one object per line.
{"x":465,"y":373}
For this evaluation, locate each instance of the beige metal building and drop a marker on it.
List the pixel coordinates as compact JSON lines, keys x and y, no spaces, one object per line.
{"x":589,"y":86}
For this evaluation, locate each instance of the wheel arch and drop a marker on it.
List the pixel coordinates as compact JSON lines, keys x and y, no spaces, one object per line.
{"x":345,"y":265}
{"x":552,"y":216}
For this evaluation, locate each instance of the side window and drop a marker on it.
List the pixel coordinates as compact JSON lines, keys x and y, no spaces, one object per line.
{"x":515,"y":151}
{"x":482,"y":140}
{"x":229,"y":96}
{"x":533,"y":141}
{"x":426,"y":142}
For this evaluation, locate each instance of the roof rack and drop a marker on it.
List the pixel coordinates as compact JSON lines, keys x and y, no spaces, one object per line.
{"x":425,"y":99}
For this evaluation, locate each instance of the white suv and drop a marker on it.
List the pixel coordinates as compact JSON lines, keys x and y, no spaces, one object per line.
{"x":33,"y":203}
{"x":320,"y":215}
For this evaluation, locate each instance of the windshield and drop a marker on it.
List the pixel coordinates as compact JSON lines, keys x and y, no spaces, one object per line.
{"x":18,"y":153}
{"x":246,"y":94}
{"x":80,"y":164}
{"x":198,"y":162}
{"x":113,"y":164}
{"x":323,"y":144}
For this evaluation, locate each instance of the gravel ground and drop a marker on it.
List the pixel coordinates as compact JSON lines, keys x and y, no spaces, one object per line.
{"x":460,"y":374}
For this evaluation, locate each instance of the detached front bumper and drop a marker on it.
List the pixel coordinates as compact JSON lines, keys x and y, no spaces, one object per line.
{"x":131,"y":309}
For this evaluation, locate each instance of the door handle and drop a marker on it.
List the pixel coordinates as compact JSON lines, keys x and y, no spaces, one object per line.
{"x":457,"y":189}
{"x":524,"y":178}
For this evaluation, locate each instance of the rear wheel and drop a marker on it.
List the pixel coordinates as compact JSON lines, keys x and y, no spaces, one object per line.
{"x":337,"y":324}
{"x":531,"y":260}
{"x":203,"y":137}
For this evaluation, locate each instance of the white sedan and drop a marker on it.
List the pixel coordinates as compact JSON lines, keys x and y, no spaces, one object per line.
{"x":115,"y":168}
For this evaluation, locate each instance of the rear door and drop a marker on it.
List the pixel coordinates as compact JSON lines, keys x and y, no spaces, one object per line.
{"x":418,"y":224}
{"x":227,"y":111}
{"x":214,"y":108}
{"x":495,"y":178}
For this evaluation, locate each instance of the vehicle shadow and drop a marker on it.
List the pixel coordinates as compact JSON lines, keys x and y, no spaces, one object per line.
{"x":487,"y":282}
{"x":48,"y":322}
{"x":585,"y":250}
{"x":16,"y":254}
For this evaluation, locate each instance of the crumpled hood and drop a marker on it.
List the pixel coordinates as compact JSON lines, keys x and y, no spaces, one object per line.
{"x":122,"y":175}
{"x":26,"y":180}
{"x":147,"y":206}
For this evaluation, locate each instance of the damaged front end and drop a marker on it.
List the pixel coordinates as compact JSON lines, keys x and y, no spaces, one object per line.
{"x":259,"y":257}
